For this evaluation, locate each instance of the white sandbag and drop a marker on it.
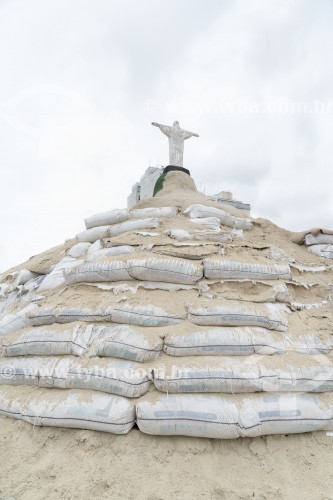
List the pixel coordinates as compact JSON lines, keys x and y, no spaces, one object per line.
{"x":56,"y":277}
{"x":49,"y":315}
{"x":94,"y":247}
{"x":228,"y":341}
{"x":107,"y":218}
{"x":206,"y":374}
{"x":79,"y":250}
{"x":228,"y":417}
{"x":227,"y":269}
{"x":53,"y":340}
{"x":181,"y":235}
{"x":109,"y":252}
{"x":234,"y":375}
{"x":209,"y":222}
{"x":178,"y":234}
{"x":94,"y":234}
{"x":308,"y":378}
{"x":73,"y":408}
{"x":15,"y":280}
{"x":114,"y":376}
{"x":41,"y":372}
{"x":269,"y":316}
{"x":15,"y":320}
{"x":142,"y":213}
{"x":125,"y":342}
{"x":167,"y":270}
{"x":318,"y":239}
{"x":147,"y":315}
{"x":199,"y":211}
{"x":98,"y":272}
{"x":311,"y":344}
{"x":134,"y":225}
{"x":79,"y":339}
{"x":322,"y":250}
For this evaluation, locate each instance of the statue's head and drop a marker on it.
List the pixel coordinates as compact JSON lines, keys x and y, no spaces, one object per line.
{"x":176,"y":124}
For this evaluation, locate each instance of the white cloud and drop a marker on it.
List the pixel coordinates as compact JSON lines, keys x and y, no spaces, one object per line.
{"x":75,"y":133}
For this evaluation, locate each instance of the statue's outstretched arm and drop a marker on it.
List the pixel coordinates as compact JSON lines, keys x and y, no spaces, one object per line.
{"x":187,"y":134}
{"x":163,"y":128}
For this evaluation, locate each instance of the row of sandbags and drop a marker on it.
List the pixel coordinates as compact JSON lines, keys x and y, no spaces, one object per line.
{"x":195,"y":211}
{"x":173,"y":271}
{"x":210,"y":416}
{"x":116,"y":222}
{"x":145,"y":345}
{"x":270,"y":316}
{"x":178,"y":375}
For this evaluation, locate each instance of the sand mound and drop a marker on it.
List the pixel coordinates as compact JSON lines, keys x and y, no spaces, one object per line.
{"x":132,"y":299}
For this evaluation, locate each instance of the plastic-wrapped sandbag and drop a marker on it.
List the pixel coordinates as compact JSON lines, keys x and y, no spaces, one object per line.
{"x":101,"y":232}
{"x":181,"y":235}
{"x":56,"y":276}
{"x":269,"y":316}
{"x":41,"y":372}
{"x":94,"y":234}
{"x":318,"y":239}
{"x":53,"y":340}
{"x":73,"y":408}
{"x":234,"y":375}
{"x":79,"y":250}
{"x":199,"y":211}
{"x":95,"y":247}
{"x":322,"y":250}
{"x":311,"y":344}
{"x":79,"y":339}
{"x":141,"y":213}
{"x":209,"y":222}
{"x":107,"y":218}
{"x":165,"y":270}
{"x":125,"y":342}
{"x":147,"y":315}
{"x":134,"y":225}
{"x":14,"y":321}
{"x":229,"y":417}
{"x":21,"y":277}
{"x":109,"y":252}
{"x":98,"y":272}
{"x":112,"y":376}
{"x":228,"y":341}
{"x":227,"y":269}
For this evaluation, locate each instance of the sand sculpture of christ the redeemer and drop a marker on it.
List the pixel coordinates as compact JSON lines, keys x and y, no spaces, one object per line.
{"x":176,"y":136}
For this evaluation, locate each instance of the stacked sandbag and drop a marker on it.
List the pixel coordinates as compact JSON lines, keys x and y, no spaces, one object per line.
{"x":320,"y":242}
{"x":203,"y":211}
{"x":165,"y":270}
{"x":113,"y":376}
{"x":83,"y":339}
{"x":241,"y":375}
{"x":73,"y":408}
{"x":224,"y":416}
{"x":226,"y":269}
{"x":147,"y":315}
{"x":242,"y":341}
{"x":270,"y":316}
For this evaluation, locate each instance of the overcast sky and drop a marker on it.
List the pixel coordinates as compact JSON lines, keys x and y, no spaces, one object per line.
{"x":82,"y":80}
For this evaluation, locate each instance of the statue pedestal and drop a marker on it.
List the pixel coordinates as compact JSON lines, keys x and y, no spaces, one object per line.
{"x":174,"y":168}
